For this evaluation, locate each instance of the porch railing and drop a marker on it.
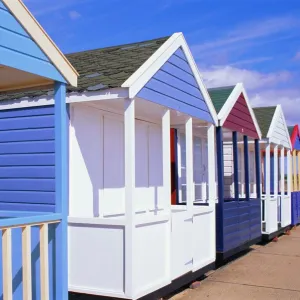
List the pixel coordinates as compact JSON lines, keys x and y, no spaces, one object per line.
{"x":8,"y":225}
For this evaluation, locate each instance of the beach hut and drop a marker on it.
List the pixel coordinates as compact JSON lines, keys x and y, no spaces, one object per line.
{"x":295,"y":176}
{"x":276,"y":201}
{"x":126,"y":238}
{"x":238,"y":211}
{"x":33,"y":156}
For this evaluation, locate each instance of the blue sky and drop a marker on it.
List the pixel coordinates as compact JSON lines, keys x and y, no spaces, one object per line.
{"x":256,"y":42}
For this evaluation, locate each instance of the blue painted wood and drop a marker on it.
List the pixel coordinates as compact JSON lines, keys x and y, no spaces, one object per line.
{"x":235,"y":165}
{"x":8,"y":160}
{"x":246,"y":160}
{"x":61,"y":197}
{"x":257,"y":168}
{"x":220,"y":204}
{"x":28,"y":172}
{"x":2,"y":6}
{"x":27,"y":159}
{"x":32,"y":207}
{"x":38,"y":134}
{"x":18,"y":50}
{"x":27,"y":122}
{"x":26,"y":147}
{"x":175,"y":86}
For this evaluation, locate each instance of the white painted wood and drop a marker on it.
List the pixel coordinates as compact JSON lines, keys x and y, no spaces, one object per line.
{"x":268,"y":171}
{"x":44,"y":262}
{"x":282,"y":171}
{"x":129,"y":149}
{"x":211,"y":164}
{"x":278,"y":131}
{"x":275,"y":173}
{"x":189,"y":165}
{"x":7,"y":264}
{"x":26,"y":263}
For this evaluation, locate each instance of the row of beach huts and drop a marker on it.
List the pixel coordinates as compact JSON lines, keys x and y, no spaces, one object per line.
{"x":134,"y":179}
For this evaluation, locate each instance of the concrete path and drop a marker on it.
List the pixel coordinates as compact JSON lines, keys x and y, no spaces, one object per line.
{"x":266,"y":272}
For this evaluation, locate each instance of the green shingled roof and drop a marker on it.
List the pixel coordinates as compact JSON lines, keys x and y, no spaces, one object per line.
{"x":290,"y":129}
{"x":264,"y":116}
{"x":101,"y":68}
{"x":219,"y":96}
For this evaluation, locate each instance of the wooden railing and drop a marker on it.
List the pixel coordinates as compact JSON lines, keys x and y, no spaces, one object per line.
{"x":26,"y":224}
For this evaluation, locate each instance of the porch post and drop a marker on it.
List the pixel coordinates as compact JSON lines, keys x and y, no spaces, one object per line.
{"x":275,"y":173}
{"x":289,"y":173}
{"x":211,"y":164}
{"x":246,"y":160}
{"x":257,"y":169}
{"x":268,"y":171}
{"x":129,"y":138}
{"x":61,"y":190}
{"x":235,"y":165}
{"x":189,"y":164}
{"x":282,"y":191}
{"x":294,"y":170}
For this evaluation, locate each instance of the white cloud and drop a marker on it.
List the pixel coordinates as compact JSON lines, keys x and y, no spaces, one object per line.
{"x":74,"y":15}
{"x":229,"y":75}
{"x":297,"y":56}
{"x":251,"y":61}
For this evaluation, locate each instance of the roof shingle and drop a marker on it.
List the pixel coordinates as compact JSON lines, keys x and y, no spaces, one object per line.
{"x":264,"y":116}
{"x":101,"y":68}
{"x":219,"y":96}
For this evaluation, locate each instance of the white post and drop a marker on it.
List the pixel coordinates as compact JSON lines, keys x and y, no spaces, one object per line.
{"x":211,"y":165}
{"x":167,"y":182}
{"x":275,"y":173}
{"x":267,"y":189}
{"x":289,"y":171}
{"x":189,"y":165}
{"x":129,"y":140}
{"x":242,"y":166}
{"x":282,"y":172}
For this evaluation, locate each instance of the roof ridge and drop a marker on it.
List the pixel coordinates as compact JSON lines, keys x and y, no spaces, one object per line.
{"x":117,"y":46}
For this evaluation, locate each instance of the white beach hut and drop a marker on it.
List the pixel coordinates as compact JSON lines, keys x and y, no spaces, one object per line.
{"x":126,"y":239}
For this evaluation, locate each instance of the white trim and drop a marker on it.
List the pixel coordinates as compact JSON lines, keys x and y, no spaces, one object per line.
{"x":75,"y":97}
{"x":144,"y":73}
{"x":278,"y":113}
{"x":230,"y":102}
{"x":275,"y":172}
{"x":282,"y":171}
{"x":211,"y":156}
{"x":37,"y":33}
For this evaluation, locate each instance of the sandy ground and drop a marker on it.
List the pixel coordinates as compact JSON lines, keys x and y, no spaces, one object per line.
{"x":266,"y":272}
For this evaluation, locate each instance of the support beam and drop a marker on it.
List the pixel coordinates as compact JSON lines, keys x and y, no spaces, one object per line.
{"x":246,"y":161}
{"x":257,"y":169}
{"x":235,"y":165}
{"x":275,"y":172}
{"x":44,"y":262}
{"x":190,"y":187}
{"x":7,"y":265}
{"x":282,"y":172}
{"x":268,"y":172}
{"x":26,"y":263}
{"x":61,"y":190}
{"x":295,"y":188}
{"x":289,"y":172}
{"x":129,"y":138}
{"x":211,"y":164}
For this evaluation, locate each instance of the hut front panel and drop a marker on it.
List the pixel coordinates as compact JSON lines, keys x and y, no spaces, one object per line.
{"x":96,"y":259}
{"x":279,"y":133}
{"x":27,"y":159}
{"x":97,"y":164}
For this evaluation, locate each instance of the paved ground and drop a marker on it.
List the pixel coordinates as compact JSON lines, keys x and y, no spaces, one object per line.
{"x":266,"y":272}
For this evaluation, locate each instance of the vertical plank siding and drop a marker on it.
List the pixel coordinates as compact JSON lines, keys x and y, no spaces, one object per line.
{"x":175,"y":86}
{"x":27,"y":159}
{"x":29,"y":57}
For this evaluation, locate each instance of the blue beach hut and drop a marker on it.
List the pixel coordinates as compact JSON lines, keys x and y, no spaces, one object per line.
{"x":33,"y":161}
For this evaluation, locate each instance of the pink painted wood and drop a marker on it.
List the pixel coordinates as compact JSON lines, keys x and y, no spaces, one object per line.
{"x":240,"y":120}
